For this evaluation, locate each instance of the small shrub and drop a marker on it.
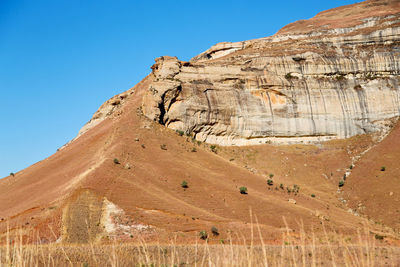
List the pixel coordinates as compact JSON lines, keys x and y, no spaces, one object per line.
{"x":180,"y":132}
{"x":116,"y":161}
{"x":351,"y":167}
{"x":383,"y":168}
{"x":344,"y":177}
{"x":270,"y":182}
{"x":214,"y":231}
{"x":222,"y":241}
{"x":184,"y":184}
{"x":213,"y":148}
{"x":370,"y":76}
{"x":340,"y":77}
{"x":271,"y":175}
{"x":341,"y":183}
{"x":289,"y":76}
{"x":312,"y":195}
{"x":243,"y":190}
{"x":296,"y":188}
{"x":12,"y":174}
{"x":281,"y":186}
{"x":198,"y":143}
{"x":143,"y":146}
{"x":203,"y":235}
{"x":194,"y":149}
{"x":163,"y":147}
{"x":379,"y":237}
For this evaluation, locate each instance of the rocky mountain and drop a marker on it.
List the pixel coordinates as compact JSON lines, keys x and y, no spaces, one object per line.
{"x":129,"y":175}
{"x":333,"y":76}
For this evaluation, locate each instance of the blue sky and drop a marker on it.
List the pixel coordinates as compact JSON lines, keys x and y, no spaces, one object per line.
{"x":60,"y":60}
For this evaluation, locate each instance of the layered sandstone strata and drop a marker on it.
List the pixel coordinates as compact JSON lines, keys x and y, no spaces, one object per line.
{"x":333,"y":76}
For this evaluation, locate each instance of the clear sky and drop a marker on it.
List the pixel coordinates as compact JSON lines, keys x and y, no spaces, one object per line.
{"x":60,"y":60}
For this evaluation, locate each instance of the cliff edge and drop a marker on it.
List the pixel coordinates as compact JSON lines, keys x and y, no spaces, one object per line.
{"x":333,"y":76}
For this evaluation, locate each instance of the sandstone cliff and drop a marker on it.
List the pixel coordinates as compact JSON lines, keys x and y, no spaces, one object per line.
{"x":333,"y":76}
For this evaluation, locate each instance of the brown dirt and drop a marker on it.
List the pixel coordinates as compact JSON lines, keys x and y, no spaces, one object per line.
{"x":82,"y":218}
{"x":376,"y":193}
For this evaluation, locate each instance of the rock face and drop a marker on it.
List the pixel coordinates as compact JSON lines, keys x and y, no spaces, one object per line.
{"x":333,"y":76}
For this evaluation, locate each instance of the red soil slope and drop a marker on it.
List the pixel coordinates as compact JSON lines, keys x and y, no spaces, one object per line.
{"x":374,"y":192}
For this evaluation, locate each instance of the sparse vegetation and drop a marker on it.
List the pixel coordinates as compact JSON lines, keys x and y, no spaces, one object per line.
{"x":213,"y":148}
{"x":271,"y":175}
{"x":383,"y":168}
{"x":194,"y":149}
{"x":340,"y":77}
{"x":181,"y":133}
{"x":184,"y":184}
{"x":379,"y":237}
{"x":312,"y":195}
{"x":270,"y":182}
{"x":296,"y":188}
{"x":203,"y":235}
{"x":163,"y":147}
{"x":12,"y":174}
{"x":341,"y":183}
{"x":344,"y":177}
{"x":351,"y":167}
{"x":289,"y":76}
{"x":214,"y":231}
{"x":281,"y":186}
{"x":243,"y":190}
{"x":370,"y":76}
{"x":116,"y":161}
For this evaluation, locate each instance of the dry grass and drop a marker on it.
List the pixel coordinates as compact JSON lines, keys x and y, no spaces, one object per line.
{"x":304,"y":250}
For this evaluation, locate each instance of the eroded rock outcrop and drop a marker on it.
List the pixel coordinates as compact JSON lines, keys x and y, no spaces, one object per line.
{"x":314,"y":80}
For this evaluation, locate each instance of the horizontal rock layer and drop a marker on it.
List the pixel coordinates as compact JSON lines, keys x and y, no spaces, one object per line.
{"x":305,"y":86}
